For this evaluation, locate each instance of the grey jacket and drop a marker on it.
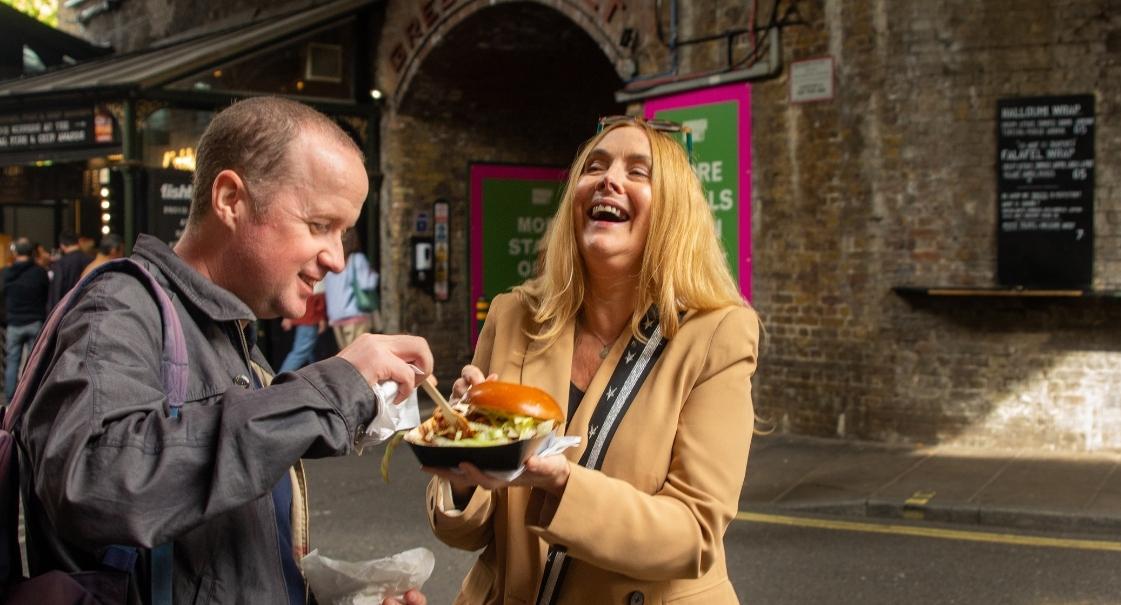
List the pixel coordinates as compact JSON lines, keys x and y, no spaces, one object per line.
{"x":110,"y":467}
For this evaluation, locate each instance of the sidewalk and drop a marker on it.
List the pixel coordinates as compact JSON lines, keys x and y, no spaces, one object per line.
{"x":1028,"y":490}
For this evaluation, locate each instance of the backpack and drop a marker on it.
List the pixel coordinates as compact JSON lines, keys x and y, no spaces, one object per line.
{"x":111,"y":583}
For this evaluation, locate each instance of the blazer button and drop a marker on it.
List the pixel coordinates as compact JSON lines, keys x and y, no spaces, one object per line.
{"x":635,"y":598}
{"x":242,"y":381}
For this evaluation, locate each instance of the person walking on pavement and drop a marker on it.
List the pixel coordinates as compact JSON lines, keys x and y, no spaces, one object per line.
{"x":111,"y":247}
{"x":277,"y":183}
{"x":25,"y":304}
{"x":67,"y":270}
{"x":306,"y":331}
{"x":344,"y":312}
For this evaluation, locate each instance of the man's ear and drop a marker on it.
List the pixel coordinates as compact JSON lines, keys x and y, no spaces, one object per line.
{"x":229,"y":198}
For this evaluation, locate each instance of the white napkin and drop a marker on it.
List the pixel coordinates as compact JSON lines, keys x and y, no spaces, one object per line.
{"x":366,"y":582}
{"x":389,"y":418}
{"x":551,"y":444}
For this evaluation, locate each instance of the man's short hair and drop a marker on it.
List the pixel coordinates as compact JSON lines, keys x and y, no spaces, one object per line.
{"x":67,"y":237}
{"x":23,"y":247}
{"x":109,"y":243}
{"x":252,"y":137}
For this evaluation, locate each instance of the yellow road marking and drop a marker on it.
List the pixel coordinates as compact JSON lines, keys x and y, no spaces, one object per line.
{"x":929,"y":532}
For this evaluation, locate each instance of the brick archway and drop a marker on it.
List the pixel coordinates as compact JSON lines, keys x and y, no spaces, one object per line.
{"x":420,"y":27}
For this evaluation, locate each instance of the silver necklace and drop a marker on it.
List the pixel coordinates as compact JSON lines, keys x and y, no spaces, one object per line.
{"x":606,"y":345}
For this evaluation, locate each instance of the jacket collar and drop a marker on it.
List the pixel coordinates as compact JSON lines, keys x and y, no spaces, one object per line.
{"x":548,"y":365}
{"x":216,"y":302}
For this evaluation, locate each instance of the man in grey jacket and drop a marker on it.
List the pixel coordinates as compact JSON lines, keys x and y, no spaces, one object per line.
{"x":276,"y":186}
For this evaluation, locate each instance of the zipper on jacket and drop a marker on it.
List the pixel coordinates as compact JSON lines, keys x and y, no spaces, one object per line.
{"x":245,"y":347}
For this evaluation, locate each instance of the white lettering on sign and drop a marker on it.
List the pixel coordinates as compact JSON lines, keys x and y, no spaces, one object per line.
{"x":720,"y":200}
{"x":533,"y":224}
{"x":169,"y":191}
{"x":1030,"y":111}
{"x":26,"y":128}
{"x":541,"y":197}
{"x":525,"y":267}
{"x":72,"y":136}
{"x":518,"y":246}
{"x":1071,"y":109}
{"x":710,"y":172}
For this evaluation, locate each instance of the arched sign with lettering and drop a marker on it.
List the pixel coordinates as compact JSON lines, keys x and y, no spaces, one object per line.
{"x":608,"y":22}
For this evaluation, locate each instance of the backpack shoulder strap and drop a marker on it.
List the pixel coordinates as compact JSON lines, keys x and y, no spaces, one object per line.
{"x":173,"y":360}
{"x":173,"y":374}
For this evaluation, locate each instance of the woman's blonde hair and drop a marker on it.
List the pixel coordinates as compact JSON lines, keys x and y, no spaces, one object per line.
{"x":683,"y":264}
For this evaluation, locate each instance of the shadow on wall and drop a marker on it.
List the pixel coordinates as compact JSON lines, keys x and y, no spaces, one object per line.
{"x":1039,"y":373}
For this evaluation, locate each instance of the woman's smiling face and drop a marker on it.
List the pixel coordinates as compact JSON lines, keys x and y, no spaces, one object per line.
{"x":613,"y":201}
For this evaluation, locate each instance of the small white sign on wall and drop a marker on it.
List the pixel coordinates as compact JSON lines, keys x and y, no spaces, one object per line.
{"x":811,"y":80}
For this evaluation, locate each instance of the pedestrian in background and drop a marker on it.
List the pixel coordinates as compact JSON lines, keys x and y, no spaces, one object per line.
{"x":43,"y":258}
{"x":111,"y":247}
{"x":67,"y":270}
{"x":306,"y":331}
{"x":349,"y":306}
{"x":639,"y":511}
{"x":87,"y":245}
{"x":25,"y":304}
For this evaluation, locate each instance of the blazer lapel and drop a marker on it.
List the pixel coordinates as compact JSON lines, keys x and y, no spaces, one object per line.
{"x":548,"y":366}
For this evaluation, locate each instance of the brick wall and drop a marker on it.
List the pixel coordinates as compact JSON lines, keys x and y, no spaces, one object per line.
{"x":893,"y":183}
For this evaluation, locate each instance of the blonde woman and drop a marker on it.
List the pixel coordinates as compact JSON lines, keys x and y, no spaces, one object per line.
{"x":632,"y":273}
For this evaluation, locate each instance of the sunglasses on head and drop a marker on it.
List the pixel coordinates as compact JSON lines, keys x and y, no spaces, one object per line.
{"x":659,"y":125}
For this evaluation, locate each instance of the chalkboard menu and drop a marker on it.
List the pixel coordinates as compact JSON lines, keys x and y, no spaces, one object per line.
{"x":1045,"y":176}
{"x":169,"y":203}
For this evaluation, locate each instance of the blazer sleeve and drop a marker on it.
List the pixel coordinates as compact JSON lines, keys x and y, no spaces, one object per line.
{"x":676,"y":532}
{"x":472,"y":528}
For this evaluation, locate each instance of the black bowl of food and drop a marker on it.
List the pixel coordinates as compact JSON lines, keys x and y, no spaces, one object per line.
{"x":506,"y":424}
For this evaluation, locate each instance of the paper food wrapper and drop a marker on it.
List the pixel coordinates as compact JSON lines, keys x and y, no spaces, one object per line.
{"x":553,"y":444}
{"x":366,"y":583}
{"x":389,"y":417}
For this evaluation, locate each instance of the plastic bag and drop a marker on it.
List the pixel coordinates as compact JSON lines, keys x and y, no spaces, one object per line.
{"x":368,"y":582}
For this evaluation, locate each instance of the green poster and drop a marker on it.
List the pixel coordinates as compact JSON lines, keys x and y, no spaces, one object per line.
{"x":511,"y":209}
{"x":719,"y":119}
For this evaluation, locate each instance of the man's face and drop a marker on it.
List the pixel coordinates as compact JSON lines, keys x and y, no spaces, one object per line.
{"x":277,"y":257}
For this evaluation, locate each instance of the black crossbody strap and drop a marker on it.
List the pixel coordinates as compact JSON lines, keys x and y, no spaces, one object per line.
{"x":629,"y":374}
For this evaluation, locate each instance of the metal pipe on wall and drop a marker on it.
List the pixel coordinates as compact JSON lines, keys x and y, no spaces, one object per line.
{"x":758,"y":70}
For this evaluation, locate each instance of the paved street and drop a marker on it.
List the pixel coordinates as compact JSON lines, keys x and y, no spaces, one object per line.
{"x":356,"y":516}
{"x":778,"y":564}
{"x":773,"y":558}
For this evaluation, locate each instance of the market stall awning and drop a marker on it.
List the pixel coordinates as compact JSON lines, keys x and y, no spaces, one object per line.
{"x":159,"y":65}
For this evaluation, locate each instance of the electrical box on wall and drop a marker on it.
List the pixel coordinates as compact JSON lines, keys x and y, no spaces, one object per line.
{"x":421,"y":260}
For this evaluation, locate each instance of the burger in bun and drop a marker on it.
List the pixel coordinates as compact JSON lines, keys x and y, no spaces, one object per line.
{"x":497,"y":413}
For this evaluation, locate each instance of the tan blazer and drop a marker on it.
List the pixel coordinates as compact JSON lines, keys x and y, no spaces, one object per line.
{"x":653,"y":520}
